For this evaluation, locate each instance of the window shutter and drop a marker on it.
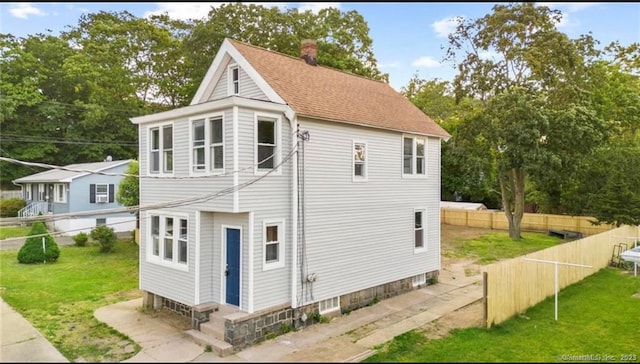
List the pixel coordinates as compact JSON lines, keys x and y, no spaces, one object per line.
{"x":111,"y":190}
{"x":92,"y":193}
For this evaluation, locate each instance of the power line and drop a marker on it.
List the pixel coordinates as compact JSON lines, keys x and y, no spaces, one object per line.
{"x":139,"y":208}
{"x":43,"y":140}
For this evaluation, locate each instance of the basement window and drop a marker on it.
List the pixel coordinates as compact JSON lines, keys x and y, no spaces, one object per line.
{"x":329,"y":305}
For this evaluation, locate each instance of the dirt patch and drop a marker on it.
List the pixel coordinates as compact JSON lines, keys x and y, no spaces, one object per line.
{"x":452,"y":238}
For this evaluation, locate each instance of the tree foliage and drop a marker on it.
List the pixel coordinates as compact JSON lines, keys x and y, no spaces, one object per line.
{"x":531,"y":81}
{"x":343,"y":37}
{"x":33,"y":251}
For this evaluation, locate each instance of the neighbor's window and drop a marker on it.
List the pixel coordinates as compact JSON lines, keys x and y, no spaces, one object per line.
{"x":101,"y":221}
{"x":266,"y":143}
{"x":60,"y":193}
{"x":359,"y":161}
{"x":273,"y":244}
{"x":42,"y":195}
{"x":419,"y":229}
{"x":27,"y":191}
{"x":414,"y":153}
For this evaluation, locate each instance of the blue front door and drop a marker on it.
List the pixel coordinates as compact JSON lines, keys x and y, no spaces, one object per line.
{"x":232,"y":270}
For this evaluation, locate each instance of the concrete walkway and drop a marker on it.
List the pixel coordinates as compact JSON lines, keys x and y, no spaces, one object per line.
{"x":348,"y":338}
{"x":21,"y":342}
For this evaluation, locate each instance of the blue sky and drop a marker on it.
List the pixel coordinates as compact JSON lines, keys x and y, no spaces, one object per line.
{"x":407,"y":37}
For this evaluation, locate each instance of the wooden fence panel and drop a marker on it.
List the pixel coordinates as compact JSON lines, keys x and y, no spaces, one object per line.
{"x":516,"y":284}
{"x":492,"y":219}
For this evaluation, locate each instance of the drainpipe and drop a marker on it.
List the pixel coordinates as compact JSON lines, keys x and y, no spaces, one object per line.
{"x":293,"y":121}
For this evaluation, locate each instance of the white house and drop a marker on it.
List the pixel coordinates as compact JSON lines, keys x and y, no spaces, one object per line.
{"x":284,"y":189}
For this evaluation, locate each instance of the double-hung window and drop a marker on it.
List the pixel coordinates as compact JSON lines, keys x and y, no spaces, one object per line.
{"x":414,"y":156}
{"x":42,"y":195}
{"x":267,"y":154}
{"x":418,"y":230}
{"x":273,"y":244}
{"x":207,"y":145}
{"x":161,"y":149}
{"x":359,"y":161}
{"x":169,"y":239}
{"x":60,"y":193}
{"x":27,"y":192}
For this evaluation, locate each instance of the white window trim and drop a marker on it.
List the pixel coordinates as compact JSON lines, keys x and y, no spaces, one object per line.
{"x":331,"y":305}
{"x":230,"y":82}
{"x":159,"y":259}
{"x":161,"y":150}
{"x":208,"y":162}
{"x":61,"y":187}
{"x":278,"y":148}
{"x":365,"y":165}
{"x":27,"y":194}
{"x":414,"y":157}
{"x":423,"y":248}
{"x":281,"y":243}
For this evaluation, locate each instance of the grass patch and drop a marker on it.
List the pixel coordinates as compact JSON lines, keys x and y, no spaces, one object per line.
{"x":495,"y":246}
{"x":596,"y":316}
{"x":13,"y":231}
{"x":59,"y":298}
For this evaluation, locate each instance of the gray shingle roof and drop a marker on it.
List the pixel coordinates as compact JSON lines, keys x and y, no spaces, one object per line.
{"x":60,"y":175}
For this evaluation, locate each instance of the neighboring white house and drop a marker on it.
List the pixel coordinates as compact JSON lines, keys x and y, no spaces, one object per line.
{"x":73,"y":193}
{"x":284,"y":189}
{"x":476,"y":206}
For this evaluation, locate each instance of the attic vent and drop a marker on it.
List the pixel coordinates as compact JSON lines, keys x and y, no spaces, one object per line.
{"x":309,"y":51}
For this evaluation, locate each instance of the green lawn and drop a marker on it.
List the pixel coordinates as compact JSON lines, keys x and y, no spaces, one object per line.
{"x":495,"y":246}
{"x":60,"y":298}
{"x":598,"y":316}
{"x":13,"y":231}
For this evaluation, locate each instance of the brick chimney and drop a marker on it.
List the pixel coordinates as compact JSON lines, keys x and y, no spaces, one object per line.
{"x":309,"y":51}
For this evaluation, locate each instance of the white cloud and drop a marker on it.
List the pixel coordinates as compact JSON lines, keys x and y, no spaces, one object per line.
{"x":444,"y":27}
{"x":23,"y":10}
{"x":316,"y":7}
{"x":183,"y":11}
{"x":426,"y":62}
{"x":567,"y":22}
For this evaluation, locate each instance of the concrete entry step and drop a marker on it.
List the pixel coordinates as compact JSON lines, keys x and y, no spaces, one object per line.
{"x":217,"y":346}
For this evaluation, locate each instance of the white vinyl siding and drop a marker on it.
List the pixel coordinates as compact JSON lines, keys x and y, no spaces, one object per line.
{"x":246,"y":86}
{"x":368,"y":236}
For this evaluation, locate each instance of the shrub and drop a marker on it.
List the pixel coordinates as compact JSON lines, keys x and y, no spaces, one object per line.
{"x":9,"y":207}
{"x":81,"y":239}
{"x":32,"y":252}
{"x":105,"y":236}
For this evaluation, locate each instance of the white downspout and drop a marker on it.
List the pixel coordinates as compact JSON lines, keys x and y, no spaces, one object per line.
{"x":293,"y":119}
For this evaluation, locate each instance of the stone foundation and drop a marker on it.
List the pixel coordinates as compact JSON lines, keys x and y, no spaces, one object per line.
{"x":245,"y":329}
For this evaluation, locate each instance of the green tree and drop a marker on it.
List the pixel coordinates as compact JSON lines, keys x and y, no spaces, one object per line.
{"x":343,"y":37}
{"x":530,"y":79}
{"x":33,"y":251}
{"x":467,"y":170}
{"x":129,"y":188}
